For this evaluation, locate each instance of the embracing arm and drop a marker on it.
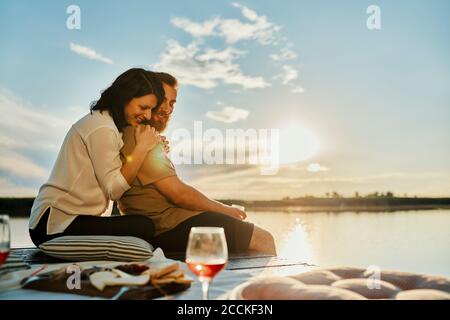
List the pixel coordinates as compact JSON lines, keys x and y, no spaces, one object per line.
{"x":103,"y":146}
{"x":146,"y":139}
{"x":188,"y":197}
{"x":131,"y":167}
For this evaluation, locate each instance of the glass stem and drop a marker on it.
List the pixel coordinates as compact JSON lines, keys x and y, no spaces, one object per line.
{"x":205,"y":287}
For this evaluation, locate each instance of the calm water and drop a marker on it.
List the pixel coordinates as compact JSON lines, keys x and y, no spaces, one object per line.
{"x":410,"y":241}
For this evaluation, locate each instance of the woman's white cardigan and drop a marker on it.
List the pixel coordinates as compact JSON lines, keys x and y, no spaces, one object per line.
{"x":86,"y":175}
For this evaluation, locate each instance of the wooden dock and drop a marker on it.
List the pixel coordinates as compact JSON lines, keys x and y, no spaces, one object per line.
{"x":250,"y":262}
{"x":241,"y":267}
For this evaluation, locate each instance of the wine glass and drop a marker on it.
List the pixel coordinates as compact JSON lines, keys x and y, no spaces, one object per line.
{"x":4,"y":238}
{"x":206,"y":254}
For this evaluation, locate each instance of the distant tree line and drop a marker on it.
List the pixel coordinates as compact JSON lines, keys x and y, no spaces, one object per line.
{"x":21,"y":207}
{"x":336,"y":195}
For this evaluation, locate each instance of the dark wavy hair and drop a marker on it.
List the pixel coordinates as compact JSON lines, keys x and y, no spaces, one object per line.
{"x":133,"y":83}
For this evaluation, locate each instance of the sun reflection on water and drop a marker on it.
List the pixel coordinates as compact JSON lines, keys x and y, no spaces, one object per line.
{"x":409,"y":241}
{"x":296,"y":244}
{"x":290,"y":234}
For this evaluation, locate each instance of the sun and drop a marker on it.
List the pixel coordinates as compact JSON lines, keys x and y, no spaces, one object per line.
{"x":297,"y":143}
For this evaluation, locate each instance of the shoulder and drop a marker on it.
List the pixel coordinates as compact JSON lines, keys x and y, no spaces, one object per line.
{"x":96,"y":122}
{"x":158,"y":160}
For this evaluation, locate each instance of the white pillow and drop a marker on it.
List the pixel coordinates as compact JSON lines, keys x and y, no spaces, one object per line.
{"x":88,"y":248}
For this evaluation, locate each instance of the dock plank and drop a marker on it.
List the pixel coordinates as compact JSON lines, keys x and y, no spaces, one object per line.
{"x":247,"y":260}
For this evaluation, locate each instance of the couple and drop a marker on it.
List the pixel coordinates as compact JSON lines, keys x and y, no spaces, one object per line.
{"x":116,"y":153}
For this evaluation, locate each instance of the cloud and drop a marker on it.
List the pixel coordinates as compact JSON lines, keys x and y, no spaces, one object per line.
{"x":250,"y":185}
{"x":203,"y":29}
{"x":260,"y":29}
{"x":297,"y":89}
{"x":288,"y":75}
{"x":26,"y":127}
{"x":89,"y":53}
{"x":27,"y":134}
{"x":8,"y":189}
{"x":257,"y":27}
{"x":20,"y":166}
{"x":228,"y":114}
{"x":285,"y":54}
{"x":219,"y":64}
{"x":316,"y":167}
{"x":206,"y":68}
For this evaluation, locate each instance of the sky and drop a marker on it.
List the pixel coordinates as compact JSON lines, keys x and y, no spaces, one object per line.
{"x":360,"y":99}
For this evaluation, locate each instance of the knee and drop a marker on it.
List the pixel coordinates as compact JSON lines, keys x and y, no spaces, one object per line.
{"x":270,"y":242}
{"x":262,"y":241}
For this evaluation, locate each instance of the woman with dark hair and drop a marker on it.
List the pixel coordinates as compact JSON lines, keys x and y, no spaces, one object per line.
{"x":88,"y":172}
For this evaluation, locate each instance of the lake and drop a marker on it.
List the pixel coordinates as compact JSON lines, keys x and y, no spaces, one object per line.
{"x":404,"y":240}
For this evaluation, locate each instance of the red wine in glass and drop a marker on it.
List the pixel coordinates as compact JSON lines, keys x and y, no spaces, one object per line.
{"x":206,"y":254}
{"x":206,"y":269}
{"x":3,"y":255}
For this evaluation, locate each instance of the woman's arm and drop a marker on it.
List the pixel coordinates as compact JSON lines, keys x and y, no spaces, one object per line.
{"x":188,"y":197}
{"x":146,"y":139}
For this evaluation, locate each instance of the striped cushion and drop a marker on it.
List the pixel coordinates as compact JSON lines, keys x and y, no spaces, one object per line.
{"x":88,"y":248}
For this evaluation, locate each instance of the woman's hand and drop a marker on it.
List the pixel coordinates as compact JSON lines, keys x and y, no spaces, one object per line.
{"x":165,"y":143}
{"x":235,"y":213}
{"x":146,"y":137}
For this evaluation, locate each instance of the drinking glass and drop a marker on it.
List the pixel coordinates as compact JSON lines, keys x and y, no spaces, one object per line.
{"x":4,"y":238}
{"x":206,"y":254}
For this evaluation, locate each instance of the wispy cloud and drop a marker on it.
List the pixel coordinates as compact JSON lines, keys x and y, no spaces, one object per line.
{"x":316,"y":167}
{"x":27,"y":127}
{"x":228,"y":114}
{"x":288,"y":75}
{"x":218,"y":64}
{"x":8,"y":189}
{"x":297,"y":89}
{"x":27,"y":131}
{"x":256,"y":27}
{"x":201,"y":29}
{"x":206,"y":68}
{"x":284,"y":54}
{"x":89,"y":53}
{"x":260,"y":29}
{"x":18,"y":165}
{"x":298,"y":181}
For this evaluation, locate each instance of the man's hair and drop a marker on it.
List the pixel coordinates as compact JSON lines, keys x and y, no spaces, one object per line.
{"x":167,"y":79}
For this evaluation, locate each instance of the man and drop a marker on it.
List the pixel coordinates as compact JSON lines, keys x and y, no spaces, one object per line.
{"x":173,"y":205}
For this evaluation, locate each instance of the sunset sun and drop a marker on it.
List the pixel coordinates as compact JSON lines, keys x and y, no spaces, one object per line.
{"x":297,"y":143}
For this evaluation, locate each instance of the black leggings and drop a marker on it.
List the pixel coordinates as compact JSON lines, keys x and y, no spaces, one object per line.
{"x":130,"y":225}
{"x":238,"y":233}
